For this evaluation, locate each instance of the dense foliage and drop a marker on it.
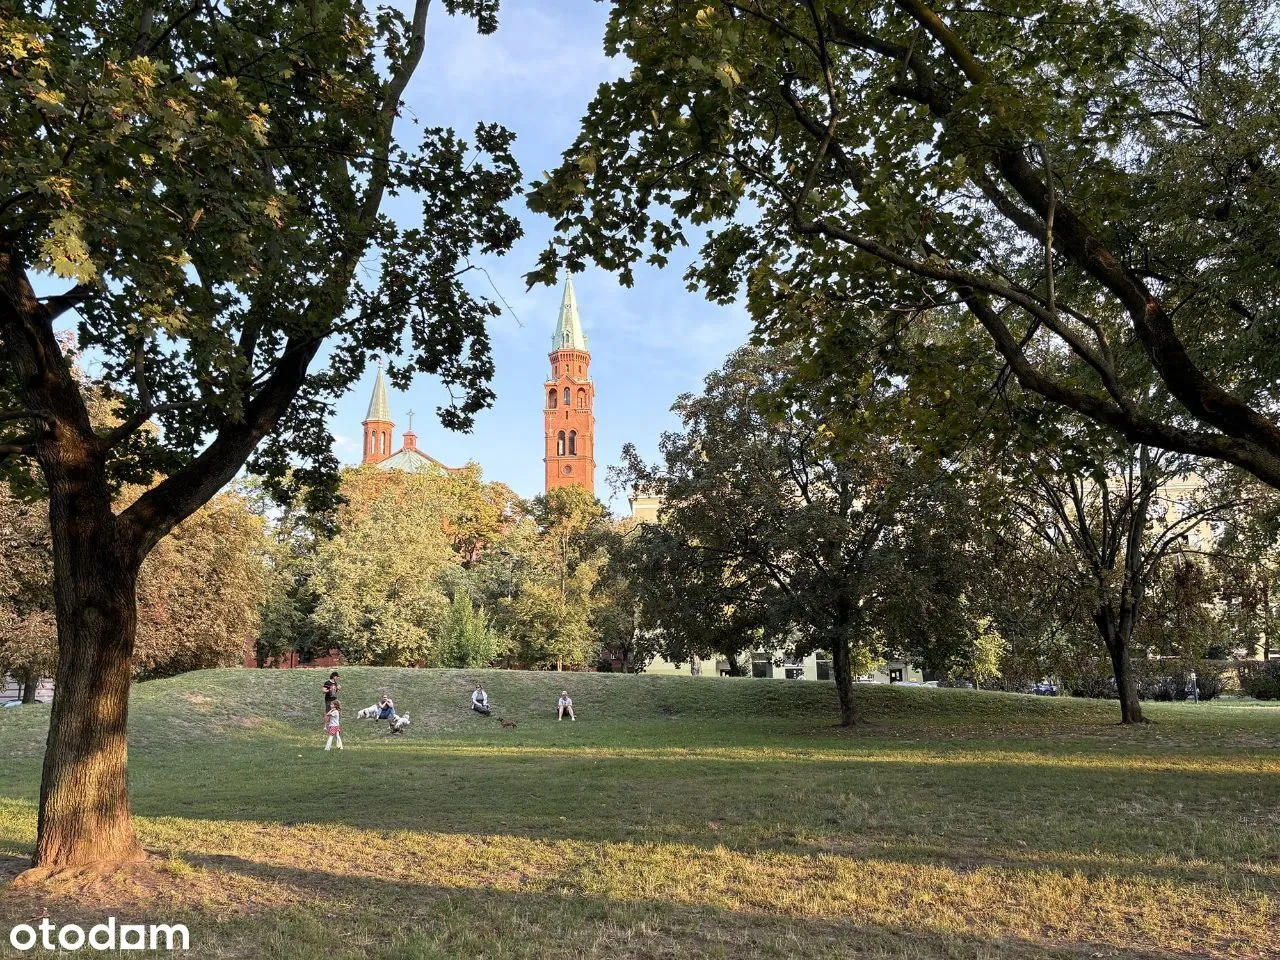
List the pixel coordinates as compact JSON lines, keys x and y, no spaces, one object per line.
{"x":199,"y":594}
{"x":1080,"y":196}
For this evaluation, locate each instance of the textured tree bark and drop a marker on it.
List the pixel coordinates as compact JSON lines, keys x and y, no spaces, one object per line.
{"x":1116,"y":638}
{"x":843,"y":672}
{"x":84,"y":794}
{"x":841,"y":662}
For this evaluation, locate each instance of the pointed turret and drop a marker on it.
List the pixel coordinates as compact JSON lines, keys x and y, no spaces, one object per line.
{"x":378,"y":408}
{"x":569,"y":335}
{"x":377,"y":423}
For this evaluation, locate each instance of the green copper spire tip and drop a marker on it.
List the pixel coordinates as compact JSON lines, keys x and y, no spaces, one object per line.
{"x":569,"y":335}
{"x":378,"y":407}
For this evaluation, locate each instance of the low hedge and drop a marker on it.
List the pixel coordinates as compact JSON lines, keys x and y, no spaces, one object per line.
{"x":1260,"y":679}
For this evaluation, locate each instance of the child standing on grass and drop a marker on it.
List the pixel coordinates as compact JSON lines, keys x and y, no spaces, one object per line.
{"x":332,"y":725}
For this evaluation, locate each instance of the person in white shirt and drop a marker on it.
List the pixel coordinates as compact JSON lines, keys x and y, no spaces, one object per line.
{"x":564,"y":706}
{"x":332,"y":725}
{"x":480,"y":701}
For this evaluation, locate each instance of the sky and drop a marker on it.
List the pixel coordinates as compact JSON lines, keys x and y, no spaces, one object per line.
{"x":649,"y":343}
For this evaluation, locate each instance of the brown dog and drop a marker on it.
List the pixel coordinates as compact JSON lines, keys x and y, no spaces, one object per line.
{"x":507,"y":724}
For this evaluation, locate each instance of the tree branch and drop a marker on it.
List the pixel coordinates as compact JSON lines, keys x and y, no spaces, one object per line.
{"x":59,"y":304}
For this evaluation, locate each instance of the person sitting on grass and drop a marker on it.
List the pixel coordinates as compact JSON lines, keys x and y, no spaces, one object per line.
{"x":331,"y":721}
{"x":386,"y":708}
{"x":564,"y":706}
{"x":480,"y":701}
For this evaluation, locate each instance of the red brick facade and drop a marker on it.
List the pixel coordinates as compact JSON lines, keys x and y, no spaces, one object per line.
{"x":377,"y":441}
{"x":568,"y":403}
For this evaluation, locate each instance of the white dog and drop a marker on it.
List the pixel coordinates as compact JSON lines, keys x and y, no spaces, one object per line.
{"x":398,"y":723}
{"x":367,"y":712}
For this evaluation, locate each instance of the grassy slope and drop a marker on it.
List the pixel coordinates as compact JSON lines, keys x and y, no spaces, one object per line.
{"x":679,"y":817}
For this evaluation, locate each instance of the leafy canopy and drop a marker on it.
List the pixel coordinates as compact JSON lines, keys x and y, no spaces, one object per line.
{"x":206,"y":181}
{"x":1080,"y":195}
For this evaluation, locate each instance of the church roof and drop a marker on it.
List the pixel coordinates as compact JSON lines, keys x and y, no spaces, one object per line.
{"x":569,"y":335}
{"x":378,"y":407}
{"x":413,"y":461}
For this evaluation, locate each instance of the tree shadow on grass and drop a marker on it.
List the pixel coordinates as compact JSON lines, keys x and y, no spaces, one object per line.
{"x":1024,"y":812}
{"x":573,"y":924}
{"x":303,"y":913}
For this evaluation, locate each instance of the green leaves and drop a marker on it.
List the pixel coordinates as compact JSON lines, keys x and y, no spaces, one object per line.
{"x":863,"y":167}
{"x":63,"y":250}
{"x":216,"y":175}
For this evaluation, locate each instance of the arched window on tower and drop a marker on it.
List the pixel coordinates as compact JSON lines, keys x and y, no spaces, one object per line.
{"x":566,"y":396}
{"x":582,"y":399}
{"x":573,"y":443}
{"x":552,"y":396}
{"x":560,"y":444}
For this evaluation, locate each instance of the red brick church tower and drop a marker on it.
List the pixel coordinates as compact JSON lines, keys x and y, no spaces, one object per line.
{"x":570,"y":399}
{"x":377,"y":423}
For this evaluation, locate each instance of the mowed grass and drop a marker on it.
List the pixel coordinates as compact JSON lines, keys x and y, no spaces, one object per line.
{"x":678,"y":817}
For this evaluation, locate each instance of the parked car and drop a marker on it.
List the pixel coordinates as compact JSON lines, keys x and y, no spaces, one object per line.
{"x":1045,"y":689}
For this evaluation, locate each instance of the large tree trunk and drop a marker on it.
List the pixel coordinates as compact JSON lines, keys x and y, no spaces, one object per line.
{"x":842,"y":660}
{"x":843,"y":671}
{"x":735,"y":665}
{"x":30,"y":686}
{"x":84,"y":795}
{"x":1116,"y":638}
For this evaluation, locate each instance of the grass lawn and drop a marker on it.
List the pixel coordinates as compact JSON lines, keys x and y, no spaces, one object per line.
{"x":679,"y":817}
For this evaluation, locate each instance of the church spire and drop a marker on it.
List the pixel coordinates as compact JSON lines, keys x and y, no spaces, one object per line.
{"x":377,"y":423}
{"x":568,"y":335}
{"x":378,"y":407}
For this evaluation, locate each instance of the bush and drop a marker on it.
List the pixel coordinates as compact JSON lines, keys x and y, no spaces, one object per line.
{"x":1260,"y":680}
{"x":1170,"y":680}
{"x":1159,"y":680}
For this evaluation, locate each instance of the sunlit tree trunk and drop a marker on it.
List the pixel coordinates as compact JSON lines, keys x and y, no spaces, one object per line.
{"x":84,"y":796}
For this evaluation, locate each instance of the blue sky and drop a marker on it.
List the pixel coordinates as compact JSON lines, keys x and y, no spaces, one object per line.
{"x":649,"y":343}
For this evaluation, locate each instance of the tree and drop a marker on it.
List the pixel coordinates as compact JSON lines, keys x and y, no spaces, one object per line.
{"x":1085,"y":180}
{"x":1110,"y":517}
{"x":552,"y":581}
{"x":378,"y":584}
{"x":28,"y":647}
{"x":207,"y":179}
{"x":465,"y":637}
{"x":851,"y":549}
{"x":199,"y":593}
{"x":618,"y":617}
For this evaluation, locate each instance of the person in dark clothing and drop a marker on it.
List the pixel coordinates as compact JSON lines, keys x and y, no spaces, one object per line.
{"x":330,"y":691}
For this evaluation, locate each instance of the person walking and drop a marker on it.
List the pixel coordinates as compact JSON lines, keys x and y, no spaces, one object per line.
{"x":333,"y":726}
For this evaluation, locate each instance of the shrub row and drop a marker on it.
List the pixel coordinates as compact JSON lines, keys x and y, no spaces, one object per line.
{"x":1260,"y":679}
{"x":1159,"y":680}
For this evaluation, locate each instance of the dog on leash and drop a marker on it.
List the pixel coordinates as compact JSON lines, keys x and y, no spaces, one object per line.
{"x":507,"y":724}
